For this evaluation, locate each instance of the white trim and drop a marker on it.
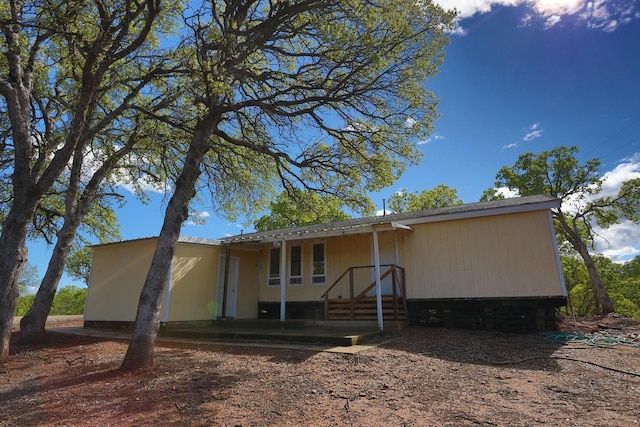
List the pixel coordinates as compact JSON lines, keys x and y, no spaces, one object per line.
{"x":167,"y":297}
{"x":86,"y":295}
{"x":301,"y":276}
{"x":283,"y":280}
{"x":269,"y":277}
{"x":504,"y":210}
{"x":376,"y":268}
{"x":563,"y":285}
{"x":324,"y":264}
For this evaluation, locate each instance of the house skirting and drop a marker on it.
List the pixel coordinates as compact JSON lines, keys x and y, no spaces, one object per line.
{"x":525,"y":313}
{"x":293,"y":310}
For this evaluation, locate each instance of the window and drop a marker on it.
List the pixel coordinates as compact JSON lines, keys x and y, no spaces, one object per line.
{"x":295,"y":266}
{"x":274,"y":267}
{"x":319,"y":272}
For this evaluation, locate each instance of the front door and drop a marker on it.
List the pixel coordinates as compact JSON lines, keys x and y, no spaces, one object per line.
{"x":232,"y":287}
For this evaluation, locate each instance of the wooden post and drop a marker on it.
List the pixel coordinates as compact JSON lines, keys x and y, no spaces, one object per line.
{"x":351,"y":303}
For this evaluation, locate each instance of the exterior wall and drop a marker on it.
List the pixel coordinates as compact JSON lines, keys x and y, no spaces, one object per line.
{"x":117,"y":276}
{"x":488,"y":257}
{"x":504,"y":256}
{"x":119,"y":271}
{"x":193,"y":283}
{"x":340,"y":254}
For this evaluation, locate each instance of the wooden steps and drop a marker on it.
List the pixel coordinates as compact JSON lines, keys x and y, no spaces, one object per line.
{"x":366,"y":309}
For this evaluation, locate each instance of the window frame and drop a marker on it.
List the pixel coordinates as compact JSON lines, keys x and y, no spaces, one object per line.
{"x":314,"y":275}
{"x":296,"y":279}
{"x":273,"y":280}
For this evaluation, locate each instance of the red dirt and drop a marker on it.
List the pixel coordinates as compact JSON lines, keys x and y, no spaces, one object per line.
{"x":424,"y":377}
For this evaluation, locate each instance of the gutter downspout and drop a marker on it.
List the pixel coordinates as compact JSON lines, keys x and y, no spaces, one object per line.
{"x":376,"y":266}
{"x":283,"y":280}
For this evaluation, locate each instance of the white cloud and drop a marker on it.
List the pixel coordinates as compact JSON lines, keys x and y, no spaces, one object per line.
{"x":431,"y":138}
{"x":198,"y":218}
{"x":409,"y":122}
{"x":605,"y":15}
{"x":467,"y":8}
{"x":628,"y":169}
{"x":532,"y":135}
{"x":552,"y":21}
{"x":145,"y":184}
{"x":620,"y":242}
{"x":507,"y":193}
{"x":508,"y":146}
{"x":533,"y":132}
{"x":548,"y":8}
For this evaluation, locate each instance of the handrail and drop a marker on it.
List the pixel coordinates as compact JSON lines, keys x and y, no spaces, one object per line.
{"x":398,"y":286}
{"x":350,"y":269}
{"x":363,"y":293}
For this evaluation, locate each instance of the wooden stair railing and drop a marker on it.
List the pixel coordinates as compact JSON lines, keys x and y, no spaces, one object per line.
{"x":363,"y":307}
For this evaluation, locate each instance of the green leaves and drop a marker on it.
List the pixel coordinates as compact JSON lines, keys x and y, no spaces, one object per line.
{"x":301,"y":208}
{"x":439,"y":196}
{"x":325,"y":89}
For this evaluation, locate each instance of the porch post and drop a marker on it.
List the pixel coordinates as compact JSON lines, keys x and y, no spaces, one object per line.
{"x":376,"y":269}
{"x":226,"y":281}
{"x":283,"y":280}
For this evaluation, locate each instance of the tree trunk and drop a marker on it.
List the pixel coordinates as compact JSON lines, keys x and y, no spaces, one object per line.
{"x":573,"y":236}
{"x":140,"y":352}
{"x":601,"y":294}
{"x":13,"y":257}
{"x":32,"y":325}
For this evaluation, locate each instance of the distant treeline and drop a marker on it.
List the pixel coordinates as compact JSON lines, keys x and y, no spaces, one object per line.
{"x":68,"y":300}
{"x":622,"y":282}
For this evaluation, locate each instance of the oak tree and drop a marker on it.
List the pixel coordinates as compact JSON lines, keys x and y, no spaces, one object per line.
{"x":62,"y":62}
{"x":328,"y":95}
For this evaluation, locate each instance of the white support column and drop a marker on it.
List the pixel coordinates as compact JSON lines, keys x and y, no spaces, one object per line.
{"x":376,"y":267}
{"x":283,"y":280}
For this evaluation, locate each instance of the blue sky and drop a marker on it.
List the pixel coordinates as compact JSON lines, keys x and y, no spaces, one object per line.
{"x":519,"y":76}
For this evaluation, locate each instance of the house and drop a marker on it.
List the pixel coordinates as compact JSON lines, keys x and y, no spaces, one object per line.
{"x":489,"y":264}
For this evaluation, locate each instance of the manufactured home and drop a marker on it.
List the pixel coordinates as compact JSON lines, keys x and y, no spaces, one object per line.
{"x":489,"y":265}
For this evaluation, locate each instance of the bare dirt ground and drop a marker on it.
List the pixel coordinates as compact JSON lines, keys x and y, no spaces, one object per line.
{"x":423,"y":377}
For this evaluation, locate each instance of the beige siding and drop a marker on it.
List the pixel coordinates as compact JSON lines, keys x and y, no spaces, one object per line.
{"x":119,"y":271}
{"x":500,"y":256}
{"x":488,"y":257}
{"x":193,"y":283}
{"x":340,"y":254}
{"x":117,"y":275}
